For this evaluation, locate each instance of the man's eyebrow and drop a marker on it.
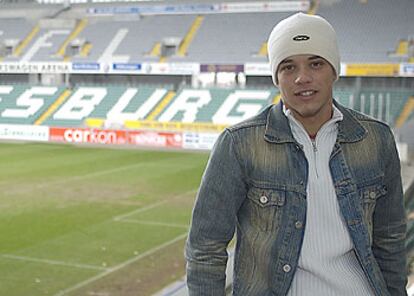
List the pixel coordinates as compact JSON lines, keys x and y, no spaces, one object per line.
{"x":315,"y":58}
{"x":285,"y":61}
{"x":311,"y":58}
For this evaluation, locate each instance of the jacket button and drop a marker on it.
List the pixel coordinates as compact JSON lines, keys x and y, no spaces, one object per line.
{"x":372,"y":194}
{"x":286,"y":268}
{"x":263,"y":199}
{"x":298,"y":225}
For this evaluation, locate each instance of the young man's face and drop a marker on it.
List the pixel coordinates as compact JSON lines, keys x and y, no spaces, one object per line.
{"x":305,"y":83}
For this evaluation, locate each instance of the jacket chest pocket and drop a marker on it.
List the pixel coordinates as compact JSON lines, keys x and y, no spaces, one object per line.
{"x":369,"y":196}
{"x":263,"y":208}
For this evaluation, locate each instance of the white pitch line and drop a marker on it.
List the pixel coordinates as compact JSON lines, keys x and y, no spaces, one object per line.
{"x":139,"y":210}
{"x":85,"y":176}
{"x":94,"y":174}
{"x":100,"y":173}
{"x":154,"y":223}
{"x":156,"y":204}
{"x":120,"y":266}
{"x":52,"y":262}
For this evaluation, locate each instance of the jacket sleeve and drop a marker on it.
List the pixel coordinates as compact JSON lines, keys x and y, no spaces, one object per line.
{"x":221,"y":192}
{"x":390,"y":225}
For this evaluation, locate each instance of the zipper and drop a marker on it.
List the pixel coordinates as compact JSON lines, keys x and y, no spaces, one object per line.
{"x":315,"y":150}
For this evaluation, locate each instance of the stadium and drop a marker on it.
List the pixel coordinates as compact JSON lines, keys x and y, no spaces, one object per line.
{"x":108,"y":111}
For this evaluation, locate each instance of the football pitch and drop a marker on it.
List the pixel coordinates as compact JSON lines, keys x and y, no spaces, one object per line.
{"x":93,"y":221}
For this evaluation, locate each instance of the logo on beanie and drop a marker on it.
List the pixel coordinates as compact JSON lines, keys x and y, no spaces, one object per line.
{"x":301,"y":38}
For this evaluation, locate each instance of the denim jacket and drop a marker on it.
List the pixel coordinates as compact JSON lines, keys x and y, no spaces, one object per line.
{"x":255,"y":185}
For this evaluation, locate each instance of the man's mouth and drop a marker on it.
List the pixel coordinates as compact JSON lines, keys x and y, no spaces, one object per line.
{"x":305,"y":93}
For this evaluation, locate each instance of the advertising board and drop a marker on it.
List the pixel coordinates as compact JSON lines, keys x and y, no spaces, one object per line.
{"x":199,"y":141}
{"x":116,"y":137}
{"x":24,"y":132}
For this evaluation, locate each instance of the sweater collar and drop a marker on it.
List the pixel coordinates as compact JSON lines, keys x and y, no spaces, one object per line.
{"x":298,"y":126}
{"x":279,"y":131}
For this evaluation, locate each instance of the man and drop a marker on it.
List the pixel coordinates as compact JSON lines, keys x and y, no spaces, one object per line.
{"x":313,"y":189}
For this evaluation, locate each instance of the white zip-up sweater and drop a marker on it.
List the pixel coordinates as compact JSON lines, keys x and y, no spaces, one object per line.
{"x":327,"y":264}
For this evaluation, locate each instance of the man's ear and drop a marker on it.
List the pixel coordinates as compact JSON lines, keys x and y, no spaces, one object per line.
{"x":335,"y":76}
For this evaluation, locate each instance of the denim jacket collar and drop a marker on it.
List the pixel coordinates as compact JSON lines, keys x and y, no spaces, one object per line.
{"x":278,"y":129}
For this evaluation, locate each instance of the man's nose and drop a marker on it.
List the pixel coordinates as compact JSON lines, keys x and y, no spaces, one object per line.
{"x":303,"y":76}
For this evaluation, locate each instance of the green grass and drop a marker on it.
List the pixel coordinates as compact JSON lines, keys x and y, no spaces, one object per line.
{"x":69,"y":213}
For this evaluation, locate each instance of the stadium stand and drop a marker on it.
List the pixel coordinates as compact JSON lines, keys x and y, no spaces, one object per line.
{"x":13,"y":32}
{"x":383,"y":29}
{"x":384,"y":105}
{"x":119,"y":104}
{"x":231,"y":38}
{"x":45,"y":47}
{"x":405,"y":134}
{"x":383,"y":34}
{"x":135,"y":44}
{"x":219,"y":106}
{"x":21,"y":104}
{"x":370,"y":31}
{"x":116,"y":104}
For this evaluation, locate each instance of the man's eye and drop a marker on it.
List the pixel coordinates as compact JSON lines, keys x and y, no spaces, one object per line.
{"x":317,"y":64}
{"x":287,"y":68}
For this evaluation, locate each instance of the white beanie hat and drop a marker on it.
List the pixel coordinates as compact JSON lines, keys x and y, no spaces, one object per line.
{"x":302,"y":34}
